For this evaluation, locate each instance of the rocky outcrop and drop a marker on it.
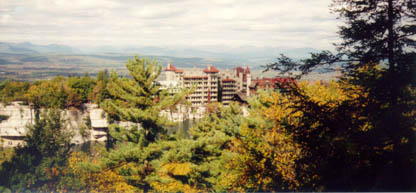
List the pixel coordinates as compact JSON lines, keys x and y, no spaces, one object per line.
{"x":13,"y":129}
{"x":88,"y":124}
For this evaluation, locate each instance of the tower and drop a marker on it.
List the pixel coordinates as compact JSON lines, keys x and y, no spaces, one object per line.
{"x":248,"y":81}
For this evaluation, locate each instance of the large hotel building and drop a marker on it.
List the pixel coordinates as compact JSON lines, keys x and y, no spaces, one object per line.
{"x":210,"y":84}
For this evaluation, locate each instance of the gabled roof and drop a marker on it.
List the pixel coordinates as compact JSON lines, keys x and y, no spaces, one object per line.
{"x":211,"y":69}
{"x":239,"y":70}
{"x":170,"y":68}
{"x":247,"y":70}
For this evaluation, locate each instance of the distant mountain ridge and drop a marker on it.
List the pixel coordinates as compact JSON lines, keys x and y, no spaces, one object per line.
{"x":243,"y":55}
{"x":14,"y":49}
{"x":28,"y":61}
{"x":29,"y":48}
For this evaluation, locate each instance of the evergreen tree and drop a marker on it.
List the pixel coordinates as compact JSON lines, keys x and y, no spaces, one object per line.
{"x":140,"y":100}
{"x":103,"y":76}
{"x":100,"y":92}
{"x":39,"y":164}
{"x":375,"y":31}
{"x":178,"y":164}
{"x":378,"y":59}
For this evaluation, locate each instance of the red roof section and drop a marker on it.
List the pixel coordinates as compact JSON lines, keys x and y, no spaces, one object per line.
{"x":211,"y":69}
{"x":170,"y":68}
{"x":239,"y":70}
{"x":271,"y":82}
{"x":188,"y":77}
{"x":228,"y":80}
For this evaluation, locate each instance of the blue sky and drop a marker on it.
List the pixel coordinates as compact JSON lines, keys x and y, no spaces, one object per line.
{"x":262,"y":23}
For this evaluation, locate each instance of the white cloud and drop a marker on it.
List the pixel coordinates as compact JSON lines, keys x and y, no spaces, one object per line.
{"x":295,"y":23}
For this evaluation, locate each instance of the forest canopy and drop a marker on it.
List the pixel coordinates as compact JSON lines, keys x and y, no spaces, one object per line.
{"x":355,"y":133}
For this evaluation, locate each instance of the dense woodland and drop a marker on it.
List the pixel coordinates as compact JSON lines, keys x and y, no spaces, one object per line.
{"x":60,"y":92}
{"x":356,"y":133}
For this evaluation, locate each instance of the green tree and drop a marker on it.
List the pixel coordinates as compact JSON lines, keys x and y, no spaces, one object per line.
{"x":13,"y":91}
{"x":175,"y":163}
{"x":50,"y":94}
{"x":53,"y":94}
{"x":39,"y":164}
{"x":377,"y":58}
{"x":140,"y":100}
{"x":83,"y":86}
{"x":103,"y":76}
{"x":100,"y":92}
{"x":375,"y":31}
{"x":263,"y":153}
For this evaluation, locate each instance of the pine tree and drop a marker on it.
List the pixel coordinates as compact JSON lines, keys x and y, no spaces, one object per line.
{"x":140,"y":100}
{"x":377,"y":58}
{"x":375,"y":31}
{"x":39,"y":164}
{"x":99,"y":93}
{"x":179,"y":164}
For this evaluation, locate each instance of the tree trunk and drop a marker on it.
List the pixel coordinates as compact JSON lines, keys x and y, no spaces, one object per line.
{"x":390,"y":46}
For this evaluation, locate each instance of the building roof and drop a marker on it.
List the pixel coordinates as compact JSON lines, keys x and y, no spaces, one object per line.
{"x":210,"y":69}
{"x":247,"y":70}
{"x":270,"y":82}
{"x":170,"y":67}
{"x":239,"y":70}
{"x":189,"y":77}
{"x":228,"y":80}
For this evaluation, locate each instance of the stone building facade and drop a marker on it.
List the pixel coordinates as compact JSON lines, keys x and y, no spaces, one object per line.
{"x":210,"y":84}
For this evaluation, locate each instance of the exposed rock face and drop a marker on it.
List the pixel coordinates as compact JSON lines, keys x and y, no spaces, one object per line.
{"x":88,"y":124}
{"x":182,"y":113}
{"x":99,"y":123}
{"x":14,"y":128}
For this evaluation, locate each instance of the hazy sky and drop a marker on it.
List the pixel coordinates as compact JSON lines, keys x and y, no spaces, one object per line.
{"x":276,"y":23}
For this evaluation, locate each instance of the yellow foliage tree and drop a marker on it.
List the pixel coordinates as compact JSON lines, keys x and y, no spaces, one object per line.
{"x":169,"y":177}
{"x":91,"y":178}
{"x":265,"y":154}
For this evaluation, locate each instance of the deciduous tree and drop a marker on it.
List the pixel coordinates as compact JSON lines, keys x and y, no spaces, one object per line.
{"x":372,"y":132}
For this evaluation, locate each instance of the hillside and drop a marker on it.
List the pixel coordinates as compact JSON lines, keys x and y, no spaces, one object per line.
{"x":27,"y":61}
